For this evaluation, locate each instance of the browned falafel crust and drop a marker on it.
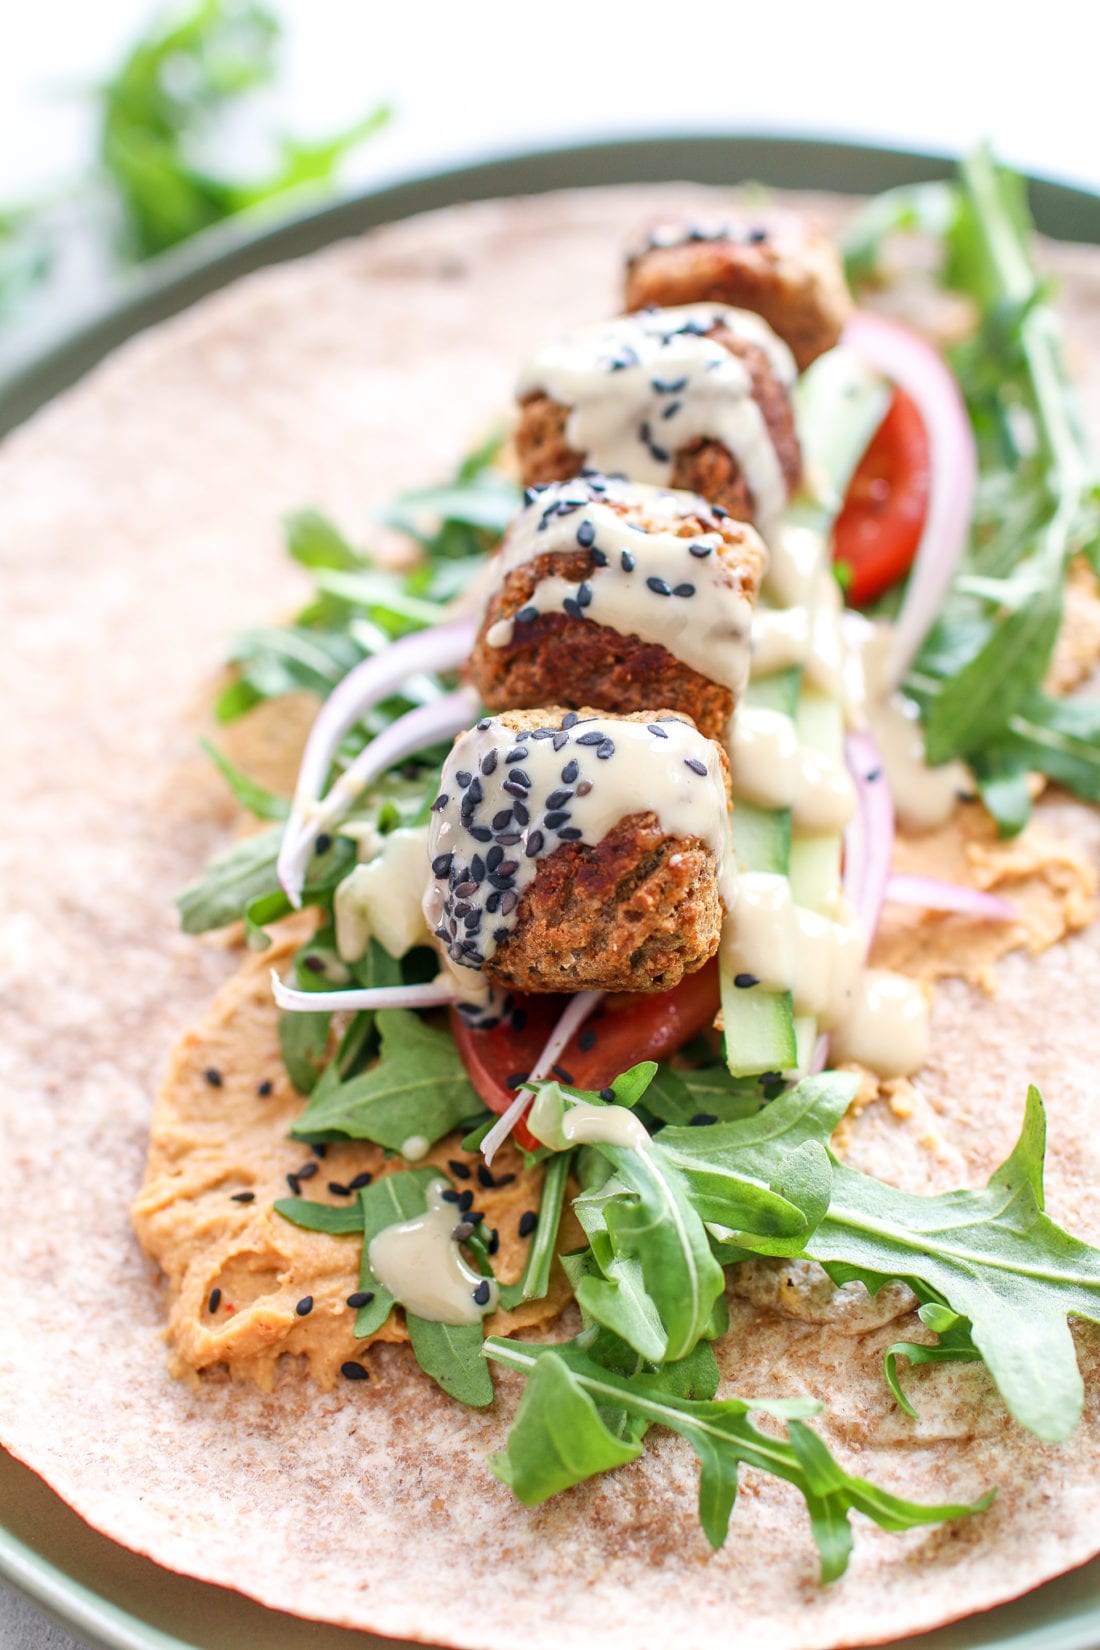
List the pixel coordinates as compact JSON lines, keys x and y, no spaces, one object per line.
{"x":578,"y":662}
{"x":777,"y":267}
{"x":704,"y":466}
{"x":635,"y":912}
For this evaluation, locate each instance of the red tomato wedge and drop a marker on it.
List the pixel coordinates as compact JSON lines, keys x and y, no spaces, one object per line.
{"x":880,"y":525}
{"x":623,"y":1031}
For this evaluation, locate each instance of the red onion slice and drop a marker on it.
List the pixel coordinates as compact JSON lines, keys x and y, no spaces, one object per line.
{"x":426,"y":725}
{"x":917,"y":367}
{"x":431,"y":995}
{"x":572,"y":1018}
{"x":929,"y":894}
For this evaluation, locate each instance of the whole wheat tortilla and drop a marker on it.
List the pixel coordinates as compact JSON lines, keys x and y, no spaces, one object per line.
{"x":138,"y":529}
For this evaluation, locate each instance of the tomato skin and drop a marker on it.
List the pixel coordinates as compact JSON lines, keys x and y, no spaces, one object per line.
{"x":879,"y":528}
{"x":627,"y":1029}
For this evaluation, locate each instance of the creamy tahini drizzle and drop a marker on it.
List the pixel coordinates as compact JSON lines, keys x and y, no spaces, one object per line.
{"x":508,"y":799}
{"x":769,"y":767}
{"x":682,"y":593}
{"x":769,"y":940}
{"x":886,"y":1025}
{"x":423,"y":1267}
{"x":641,"y":387}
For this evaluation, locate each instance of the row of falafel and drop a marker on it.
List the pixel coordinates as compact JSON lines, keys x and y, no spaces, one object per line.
{"x":580,"y":839}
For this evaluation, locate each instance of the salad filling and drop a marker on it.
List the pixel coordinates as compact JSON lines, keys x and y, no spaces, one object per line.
{"x":644,"y":984}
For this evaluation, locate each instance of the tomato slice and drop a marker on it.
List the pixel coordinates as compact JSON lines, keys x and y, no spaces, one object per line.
{"x":623,"y":1031}
{"x":879,"y":527}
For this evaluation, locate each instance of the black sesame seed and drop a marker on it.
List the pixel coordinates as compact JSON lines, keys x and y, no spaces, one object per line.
{"x":558,"y":799}
{"x":338,"y":1189}
{"x":460,"y":1170}
{"x":655,"y":727}
{"x":485,"y":723}
{"x":608,"y":1095}
{"x":463,"y":778}
{"x":561,"y":1074}
{"x":659,"y":587}
{"x":570,"y":719}
{"x":492,"y":903}
{"x":462,"y":1231}
{"x":323,"y":843}
{"x":213,"y":1077}
{"x":362,"y":1179}
{"x":463,"y":891}
{"x":570,"y":771}
{"x":480,"y":833}
{"x":243,"y":1197}
{"x":627,"y":561}
{"x":755,"y":236}
{"x":475,"y":794}
{"x":672,"y":409}
{"x":700,"y":550}
{"x":354,"y":1372}
{"x":481,"y":1293}
{"x":493,"y":858}
{"x":745,"y":982}
{"x":361,"y":1297}
{"x":584,"y":786}
{"x":872,"y":775}
{"x":292,"y":1182}
{"x":520,"y":779}
{"x":462,"y":909}
{"x":502,"y":820}
{"x":598,"y":558}
{"x":519,"y":1019}
{"x":215,"y":1300}
{"x":561,"y":740}
{"x":696,"y":766}
{"x":570,"y":833}
{"x":516,"y":755}
{"x":494,"y":1241}
{"x":605,"y":751}
{"x":586,"y":535}
{"x":264,"y":1089}
{"x":489,"y":762}
{"x":584,"y":598}
{"x":556,"y":817}
{"x":516,"y":1080}
{"x":307,"y":1171}
{"x":534,"y":844}
{"x":440,"y":803}
{"x":510,"y":838}
{"x":586,"y":1041}
{"x":505,"y":1179}
{"x":450,"y":1195}
{"x":477,"y":869}
{"x":508,"y":868}
{"x":702,"y":1118}
{"x":526,"y":615}
{"x":684,"y":590}
{"x":465,"y":1201}
{"x":315,"y":965}
{"x":527,"y":1223}
{"x":441,"y":865}
{"x":508,"y":902}
{"x":304,"y":1306}
{"x":593,"y":738}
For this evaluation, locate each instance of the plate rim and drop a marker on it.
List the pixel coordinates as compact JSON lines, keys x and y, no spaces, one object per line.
{"x":171,"y":283}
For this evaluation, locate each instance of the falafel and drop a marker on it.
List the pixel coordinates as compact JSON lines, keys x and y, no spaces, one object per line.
{"x":694,"y":398}
{"x":611,"y":593}
{"x":574,"y":851}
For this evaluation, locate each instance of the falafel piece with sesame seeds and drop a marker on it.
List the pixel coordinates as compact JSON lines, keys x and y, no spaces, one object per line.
{"x":633,"y":911}
{"x":570,"y":619}
{"x":701,"y":465}
{"x":777,"y":264}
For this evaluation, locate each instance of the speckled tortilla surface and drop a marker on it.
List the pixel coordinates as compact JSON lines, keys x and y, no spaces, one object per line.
{"x":138,"y":529}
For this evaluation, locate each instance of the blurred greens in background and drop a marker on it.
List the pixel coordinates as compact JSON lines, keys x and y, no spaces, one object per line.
{"x":153,"y":183}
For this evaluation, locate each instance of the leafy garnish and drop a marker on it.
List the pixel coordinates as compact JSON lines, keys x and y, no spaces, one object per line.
{"x":451,"y":1354}
{"x":559,"y":1439}
{"x":992,"y":1255}
{"x":418,"y":1087}
{"x":954,"y":1345}
{"x":978,"y":677}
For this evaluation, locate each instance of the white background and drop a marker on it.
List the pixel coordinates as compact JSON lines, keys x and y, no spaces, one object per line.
{"x":496,"y":76}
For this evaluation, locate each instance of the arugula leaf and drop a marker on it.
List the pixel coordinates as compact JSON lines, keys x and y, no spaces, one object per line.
{"x":163,"y":104}
{"x":336,"y":1219}
{"x":256,"y":798}
{"x":992,"y":1255}
{"x":1061,"y":738}
{"x":231,"y":881}
{"x":417,"y":1088}
{"x":955,"y":1345}
{"x":535,"y":1282}
{"x":314,"y":541}
{"x":559,"y":1439}
{"x":303,"y":1044}
{"x":676,"y":1096}
{"x":451,"y":1355}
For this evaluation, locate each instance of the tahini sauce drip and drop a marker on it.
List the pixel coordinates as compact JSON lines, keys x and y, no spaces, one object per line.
{"x":508,"y":799}
{"x":641,"y":387}
{"x":422,"y":1266}
{"x":682,"y":593}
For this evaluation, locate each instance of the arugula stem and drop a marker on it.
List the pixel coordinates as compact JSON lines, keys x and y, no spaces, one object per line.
{"x":536,"y":1274}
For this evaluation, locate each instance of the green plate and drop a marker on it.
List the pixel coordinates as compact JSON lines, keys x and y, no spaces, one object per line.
{"x":104,"y":1594}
